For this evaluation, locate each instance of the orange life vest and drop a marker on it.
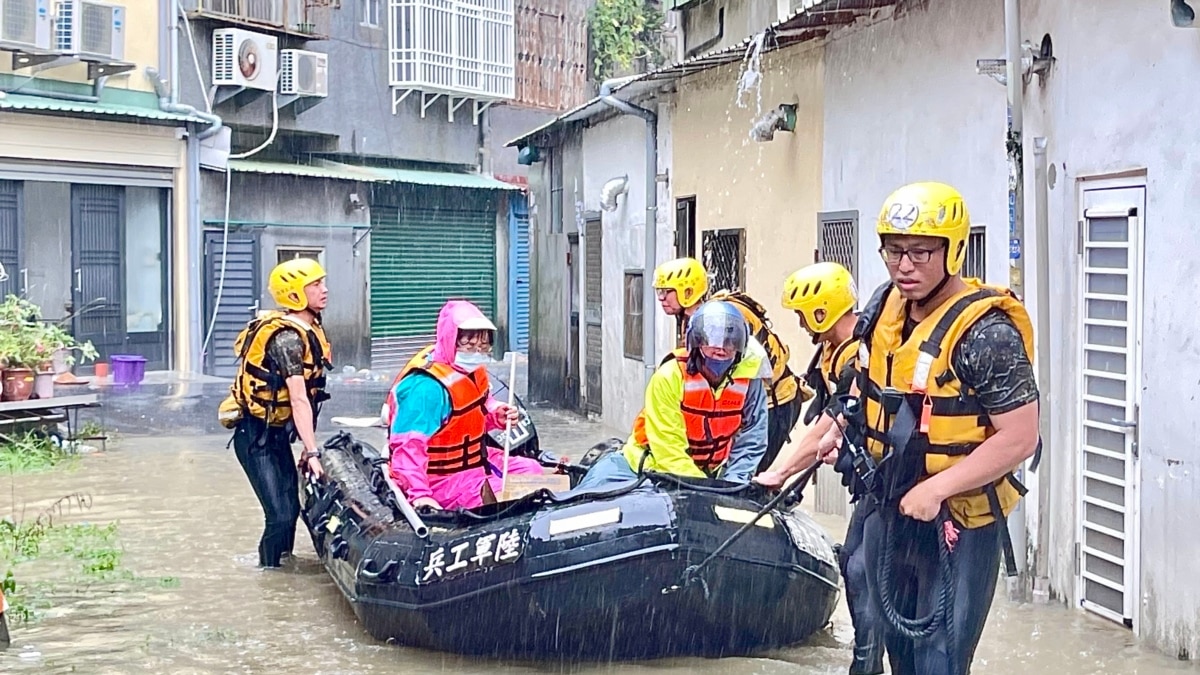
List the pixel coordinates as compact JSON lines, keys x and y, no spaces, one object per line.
{"x":459,"y":444}
{"x":711,"y":420}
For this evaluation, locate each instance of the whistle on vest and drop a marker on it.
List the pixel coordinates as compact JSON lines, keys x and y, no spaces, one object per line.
{"x":926,"y":414}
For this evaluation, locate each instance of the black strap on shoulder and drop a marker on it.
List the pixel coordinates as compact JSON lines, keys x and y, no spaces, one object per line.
{"x":837,"y":356}
{"x":933,"y":346}
{"x":1010,"y":558}
{"x":865,"y":326}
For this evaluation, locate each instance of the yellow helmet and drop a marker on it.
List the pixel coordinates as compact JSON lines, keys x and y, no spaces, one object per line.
{"x":685,"y":276}
{"x":288,"y":279}
{"x":826,"y":286}
{"x":929,"y":210}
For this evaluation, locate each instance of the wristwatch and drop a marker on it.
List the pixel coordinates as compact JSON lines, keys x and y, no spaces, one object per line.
{"x":310,"y":454}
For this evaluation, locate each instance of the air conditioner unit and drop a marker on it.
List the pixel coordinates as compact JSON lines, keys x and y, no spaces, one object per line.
{"x":242,"y":58}
{"x":25,"y":24}
{"x":303,"y":73}
{"x":90,"y":30}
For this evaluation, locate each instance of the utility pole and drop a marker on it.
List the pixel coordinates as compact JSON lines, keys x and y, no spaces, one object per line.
{"x":1016,"y":217}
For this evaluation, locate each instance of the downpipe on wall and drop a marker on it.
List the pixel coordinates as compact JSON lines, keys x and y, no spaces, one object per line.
{"x":651,"y":245}
{"x":1041,"y":211}
{"x":1016,"y":219}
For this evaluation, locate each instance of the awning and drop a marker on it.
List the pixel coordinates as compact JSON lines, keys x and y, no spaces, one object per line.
{"x":31,"y":103}
{"x":329,"y":170}
{"x":812,"y":21}
{"x":371,"y":174}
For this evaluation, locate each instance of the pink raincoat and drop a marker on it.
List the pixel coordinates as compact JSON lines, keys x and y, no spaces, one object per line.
{"x":421,"y":406}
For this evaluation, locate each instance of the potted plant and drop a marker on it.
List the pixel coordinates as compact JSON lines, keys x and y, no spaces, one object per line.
{"x":28,"y":345}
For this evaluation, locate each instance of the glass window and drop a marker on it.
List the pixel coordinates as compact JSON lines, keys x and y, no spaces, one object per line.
{"x":286,"y":253}
{"x":144,"y":259}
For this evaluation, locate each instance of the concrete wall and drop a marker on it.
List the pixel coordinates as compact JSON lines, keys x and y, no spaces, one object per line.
{"x":306,"y":212}
{"x":771,"y":189}
{"x":1113,"y":105}
{"x":356,"y":118}
{"x":612,"y":148}
{"x":505,"y":123}
{"x":700,"y":22}
{"x":883,"y":129}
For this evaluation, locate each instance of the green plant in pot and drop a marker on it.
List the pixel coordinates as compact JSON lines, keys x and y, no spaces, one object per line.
{"x":28,"y":345}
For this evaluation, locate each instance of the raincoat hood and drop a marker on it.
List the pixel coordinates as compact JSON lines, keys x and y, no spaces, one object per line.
{"x":456,"y":315}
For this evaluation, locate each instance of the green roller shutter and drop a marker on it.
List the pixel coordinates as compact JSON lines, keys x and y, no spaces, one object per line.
{"x":420,"y":258}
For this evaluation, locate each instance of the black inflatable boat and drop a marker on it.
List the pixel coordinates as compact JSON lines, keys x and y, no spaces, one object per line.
{"x":593,"y":576}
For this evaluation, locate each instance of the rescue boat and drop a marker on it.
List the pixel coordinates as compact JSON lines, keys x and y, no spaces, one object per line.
{"x":570,"y":576}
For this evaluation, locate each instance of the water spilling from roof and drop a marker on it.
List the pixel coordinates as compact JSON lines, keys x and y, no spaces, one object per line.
{"x":750,"y":76}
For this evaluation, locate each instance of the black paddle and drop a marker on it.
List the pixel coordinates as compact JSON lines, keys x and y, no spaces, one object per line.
{"x":692,"y":572}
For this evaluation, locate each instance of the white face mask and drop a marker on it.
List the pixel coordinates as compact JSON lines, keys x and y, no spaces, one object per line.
{"x":470,"y":360}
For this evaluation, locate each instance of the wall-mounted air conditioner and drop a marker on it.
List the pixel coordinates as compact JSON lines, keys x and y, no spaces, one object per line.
{"x":25,"y":24}
{"x":90,"y":30}
{"x":303,"y":73}
{"x":242,"y":58}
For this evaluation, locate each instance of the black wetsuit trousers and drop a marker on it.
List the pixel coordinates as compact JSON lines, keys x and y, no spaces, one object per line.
{"x":976,"y":560}
{"x":267,"y":460}
{"x":781,"y":419}
{"x":864,"y":612}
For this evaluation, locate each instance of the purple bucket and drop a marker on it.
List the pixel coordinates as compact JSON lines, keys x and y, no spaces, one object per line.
{"x":128,"y":369}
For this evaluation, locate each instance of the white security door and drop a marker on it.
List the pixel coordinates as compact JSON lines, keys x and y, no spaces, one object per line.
{"x":1110,"y":343}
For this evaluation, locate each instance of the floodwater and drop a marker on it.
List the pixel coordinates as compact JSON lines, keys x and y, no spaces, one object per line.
{"x":185,"y":511}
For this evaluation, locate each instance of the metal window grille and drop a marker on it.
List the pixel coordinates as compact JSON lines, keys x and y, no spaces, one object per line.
{"x":633,"y":314}
{"x":453,"y":47}
{"x":838,"y":239}
{"x":725,"y":259}
{"x":286,"y":253}
{"x":975,"y":266}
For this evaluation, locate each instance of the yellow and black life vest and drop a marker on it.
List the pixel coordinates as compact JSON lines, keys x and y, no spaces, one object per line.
{"x":259,"y":390}
{"x":785,"y":386}
{"x":711,"y":420}
{"x":950,"y":423}
{"x":825,"y":371}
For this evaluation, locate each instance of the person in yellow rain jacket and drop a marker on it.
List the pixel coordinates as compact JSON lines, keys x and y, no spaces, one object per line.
{"x":706,"y":409}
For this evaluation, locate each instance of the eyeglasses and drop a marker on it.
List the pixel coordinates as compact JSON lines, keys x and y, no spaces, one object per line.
{"x":475,"y":347}
{"x":917,"y":256}
{"x":662,"y":293}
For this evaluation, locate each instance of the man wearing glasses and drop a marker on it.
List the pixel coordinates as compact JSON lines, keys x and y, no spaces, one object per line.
{"x":949,"y":411}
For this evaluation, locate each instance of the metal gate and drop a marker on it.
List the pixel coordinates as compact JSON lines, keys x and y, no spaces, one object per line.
{"x":12,"y":280}
{"x":1110,"y":382}
{"x":725,"y":259}
{"x":594,"y":311}
{"x":240,"y":295}
{"x":98,"y":288}
{"x":837,"y":241}
{"x":518,"y":273}
{"x":427,"y":255}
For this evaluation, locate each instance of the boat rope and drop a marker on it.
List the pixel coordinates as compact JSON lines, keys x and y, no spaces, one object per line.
{"x":920,"y":628}
{"x":692,"y":572}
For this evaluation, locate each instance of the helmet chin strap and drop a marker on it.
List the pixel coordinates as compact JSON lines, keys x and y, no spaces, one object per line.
{"x":936,"y":289}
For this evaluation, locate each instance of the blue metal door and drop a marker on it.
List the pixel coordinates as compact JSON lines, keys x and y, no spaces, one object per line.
{"x":518,"y":273}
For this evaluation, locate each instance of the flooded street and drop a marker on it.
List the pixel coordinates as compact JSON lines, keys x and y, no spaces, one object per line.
{"x":193,"y":601}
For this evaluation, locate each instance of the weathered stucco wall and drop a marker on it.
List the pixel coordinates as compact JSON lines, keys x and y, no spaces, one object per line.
{"x":612,"y":148}
{"x":1113,"y":105}
{"x":771,"y":189}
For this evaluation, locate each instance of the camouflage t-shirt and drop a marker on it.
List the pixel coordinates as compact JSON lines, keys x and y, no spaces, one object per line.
{"x":286,"y":350}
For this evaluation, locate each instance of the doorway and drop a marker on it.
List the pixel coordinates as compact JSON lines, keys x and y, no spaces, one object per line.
{"x":1109,"y":353}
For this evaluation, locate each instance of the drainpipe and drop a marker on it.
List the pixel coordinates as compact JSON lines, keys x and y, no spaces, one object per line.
{"x":1016,"y":223}
{"x":167,"y":105}
{"x":648,"y":296}
{"x":1041,"y":209}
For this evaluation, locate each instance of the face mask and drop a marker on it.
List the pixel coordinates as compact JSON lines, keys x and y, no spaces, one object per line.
{"x":718,"y":367}
{"x":470,"y":360}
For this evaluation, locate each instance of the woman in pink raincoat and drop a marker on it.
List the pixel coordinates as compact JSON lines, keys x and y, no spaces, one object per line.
{"x":439,"y":412}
